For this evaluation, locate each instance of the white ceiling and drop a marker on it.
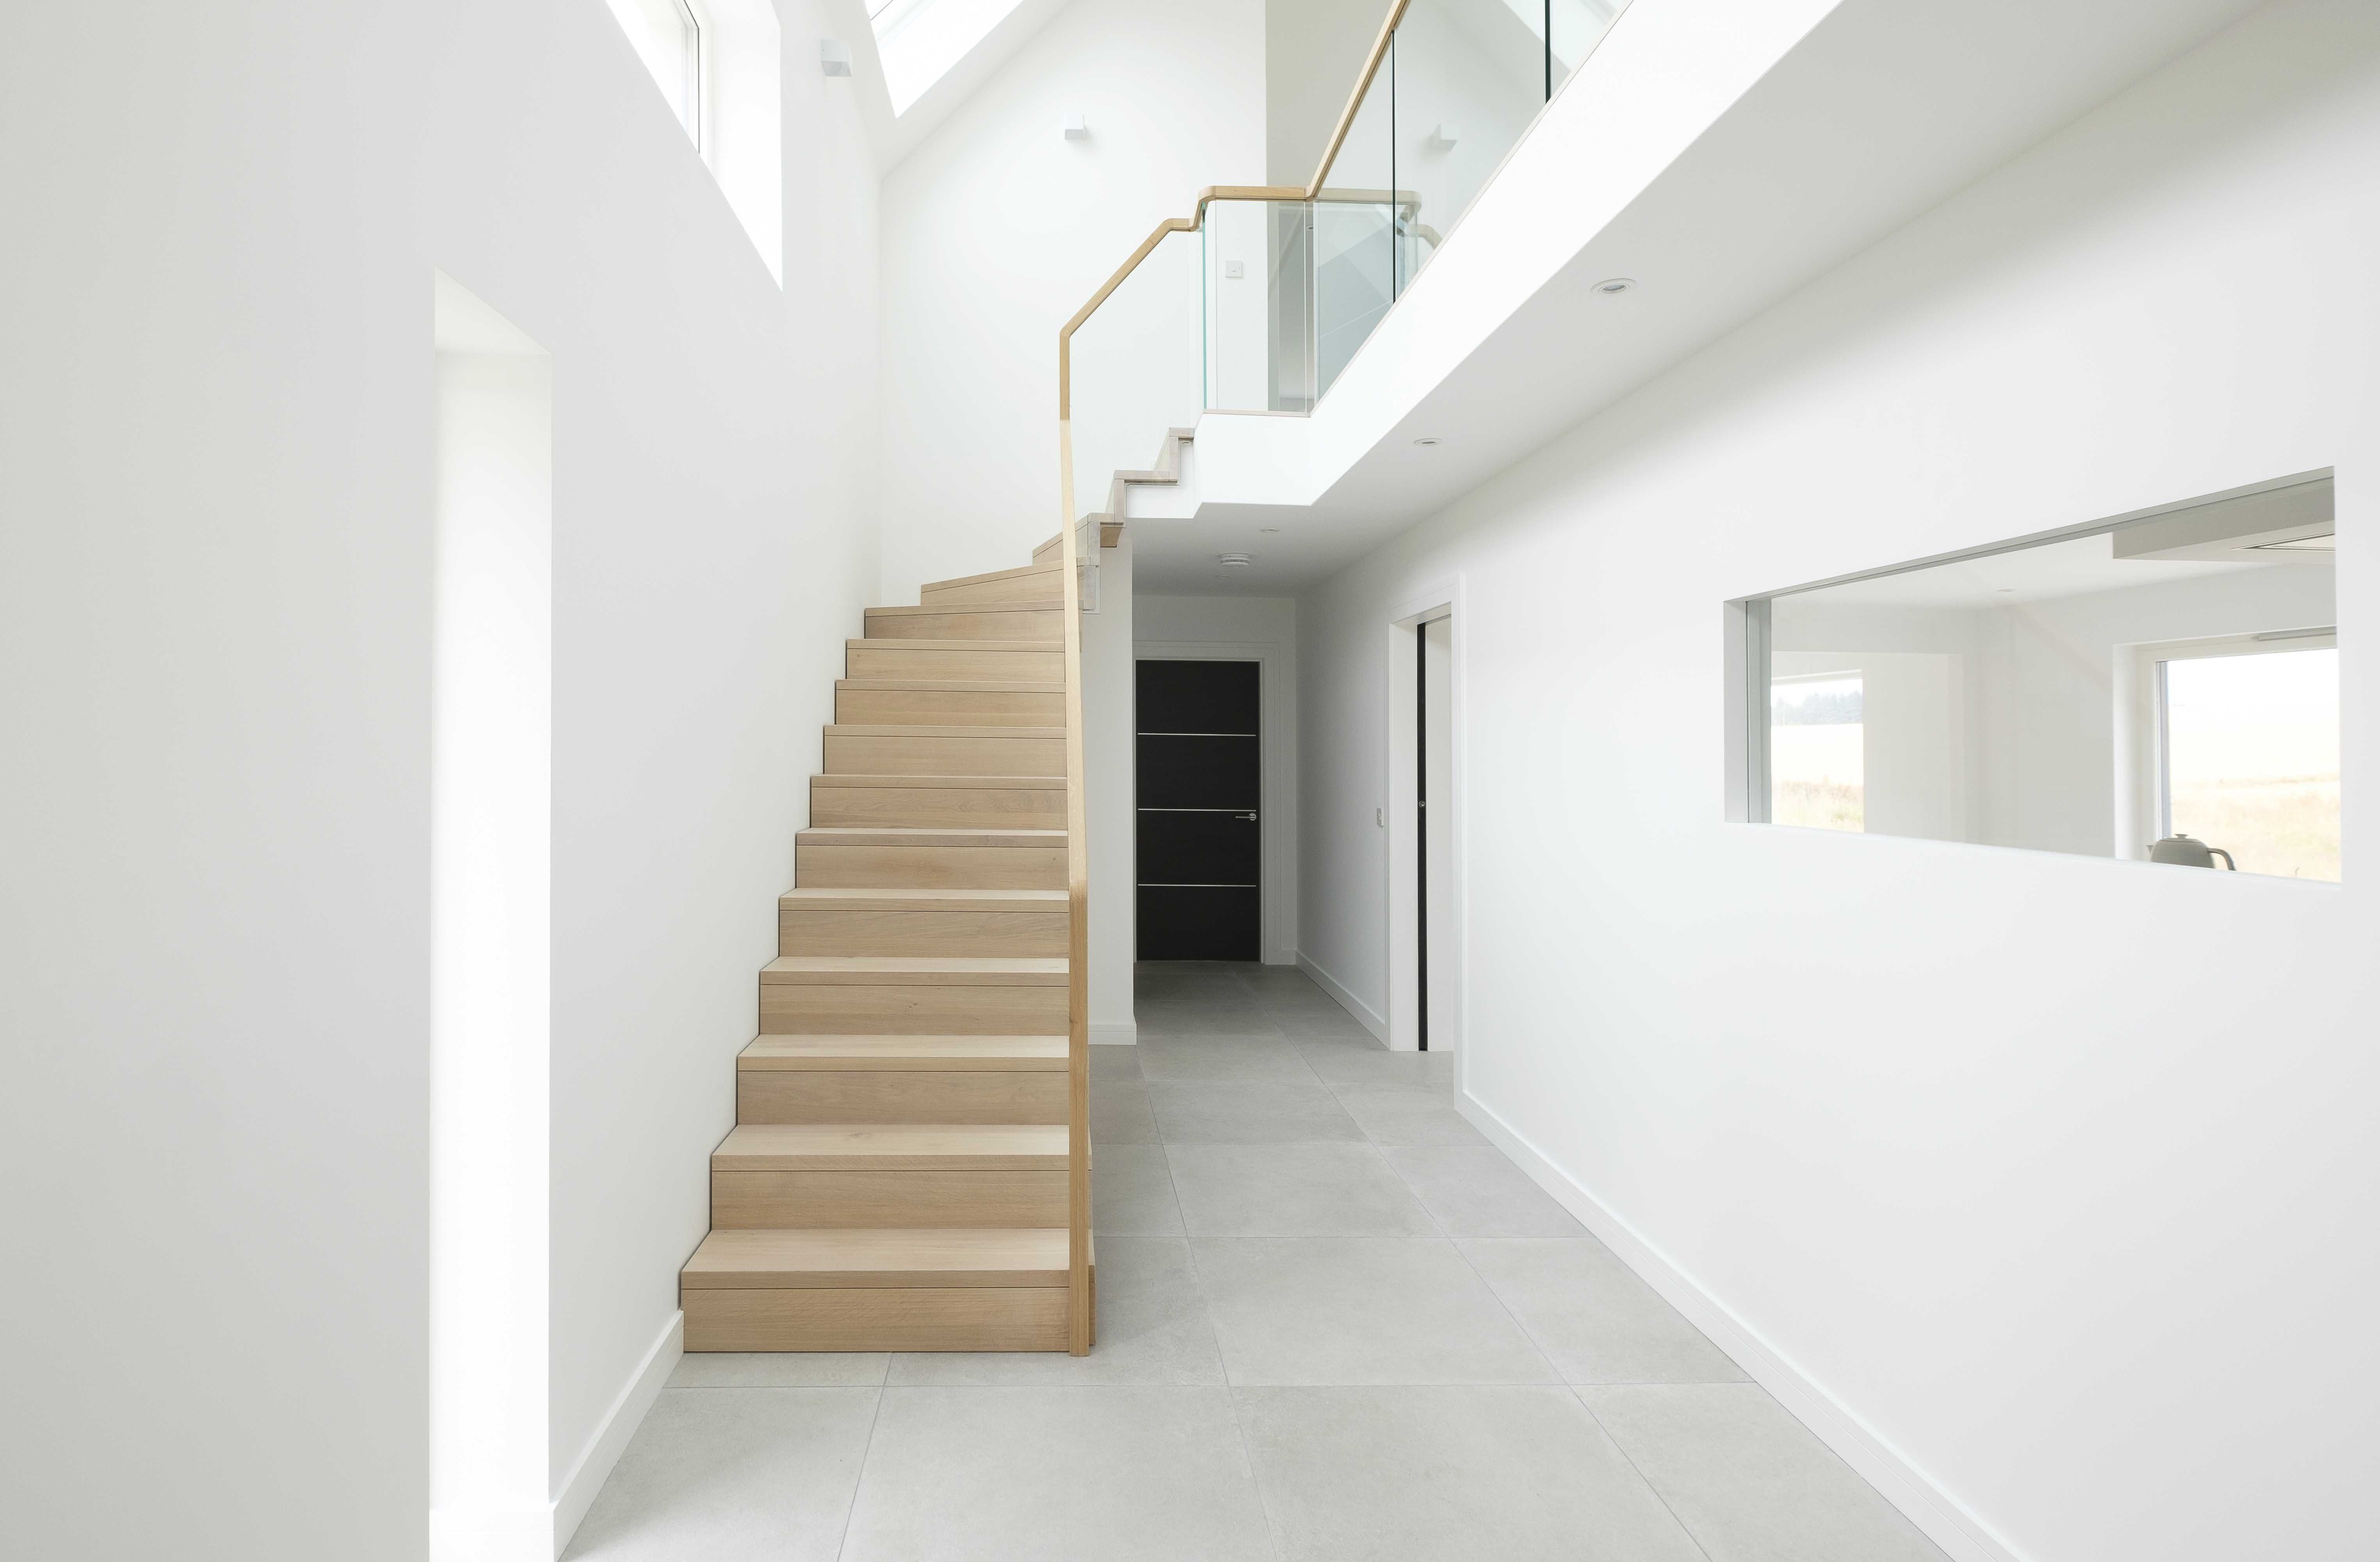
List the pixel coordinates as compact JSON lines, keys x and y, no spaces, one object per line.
{"x":1879,"y":113}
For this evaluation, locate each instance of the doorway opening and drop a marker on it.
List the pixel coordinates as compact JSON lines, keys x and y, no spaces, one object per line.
{"x":1199,"y":833}
{"x":1423,"y":833}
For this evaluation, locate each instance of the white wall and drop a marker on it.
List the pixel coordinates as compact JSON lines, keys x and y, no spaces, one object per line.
{"x":1972,"y":1154}
{"x":998,"y":228}
{"x":1108,"y":769}
{"x":1264,"y":630}
{"x":216,"y":480}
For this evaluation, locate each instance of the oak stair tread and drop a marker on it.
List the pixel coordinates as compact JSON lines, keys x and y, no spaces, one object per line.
{"x":1046,"y":647}
{"x":798,"y":899}
{"x":862,"y":1258}
{"x":919,"y":1054}
{"x":949,"y":685}
{"x":883,"y":835}
{"x":970,"y":971}
{"x":995,"y":783}
{"x":949,"y":610}
{"x":1005,"y":1146}
{"x":886,"y":729}
{"x":1017,"y":574}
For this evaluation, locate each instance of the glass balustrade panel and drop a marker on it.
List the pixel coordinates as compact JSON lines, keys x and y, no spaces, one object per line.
{"x":1259,"y":307}
{"x":1351,"y":239}
{"x":1470,"y":75}
{"x":1573,"y":27}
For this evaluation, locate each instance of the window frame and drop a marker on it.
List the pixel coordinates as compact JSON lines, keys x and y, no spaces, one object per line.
{"x":2153,"y":799}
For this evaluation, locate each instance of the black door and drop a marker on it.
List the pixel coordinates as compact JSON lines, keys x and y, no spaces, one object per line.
{"x":1198,"y":826}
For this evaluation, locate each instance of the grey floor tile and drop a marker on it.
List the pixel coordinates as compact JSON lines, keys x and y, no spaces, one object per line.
{"x":1056,"y":1475}
{"x":1339,"y":1063}
{"x":1315,"y":1190}
{"x":1153,"y":1329}
{"x":1590,"y":1314}
{"x":1359,"y":1311}
{"x":1222,"y":1059}
{"x":1175,"y":1016}
{"x":1280,"y":1111}
{"x":1518,"y":1474}
{"x":1749,"y":1482}
{"x":1132,"y":1191}
{"x":1119,"y":1113}
{"x":780,"y":1368}
{"x":1319,"y":1022}
{"x":1405,"y":1114}
{"x":733,"y":1475}
{"x":1476,"y":1190}
{"x":1110,"y":1061}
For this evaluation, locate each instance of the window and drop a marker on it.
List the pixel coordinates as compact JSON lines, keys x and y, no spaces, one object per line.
{"x":716,"y":63}
{"x":2108,"y":692}
{"x":1817,"y":751}
{"x":668,"y":37}
{"x":919,"y":40}
{"x":2247,"y":753}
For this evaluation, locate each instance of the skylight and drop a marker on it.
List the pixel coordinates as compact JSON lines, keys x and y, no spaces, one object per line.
{"x":920,"y":40}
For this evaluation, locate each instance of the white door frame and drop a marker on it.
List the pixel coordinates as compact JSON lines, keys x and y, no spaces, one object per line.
{"x":1401,"y":864}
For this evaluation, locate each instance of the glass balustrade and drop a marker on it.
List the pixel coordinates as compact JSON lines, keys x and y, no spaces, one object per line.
{"x":1265,"y":303}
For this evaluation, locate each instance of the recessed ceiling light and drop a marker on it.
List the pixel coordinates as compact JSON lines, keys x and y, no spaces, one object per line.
{"x":1615,"y":285}
{"x":1234,"y":561}
{"x":1426,"y":438}
{"x":1268,"y":529}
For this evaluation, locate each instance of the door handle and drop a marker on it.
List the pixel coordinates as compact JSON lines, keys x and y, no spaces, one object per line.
{"x":1250,"y":817}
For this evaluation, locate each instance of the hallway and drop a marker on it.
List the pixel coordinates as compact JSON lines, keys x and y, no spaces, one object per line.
{"x":1334,"y":1321}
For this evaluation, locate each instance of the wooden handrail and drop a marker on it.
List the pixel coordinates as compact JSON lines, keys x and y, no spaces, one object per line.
{"x":1080,"y":1298}
{"x":1356,"y":99}
{"x":1078,"y":929}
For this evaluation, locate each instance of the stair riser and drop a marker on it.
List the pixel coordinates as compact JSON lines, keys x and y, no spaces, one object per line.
{"x":935,"y":807}
{"x":924,"y":660}
{"x":847,"y":755}
{"x":930,"y":867}
{"x":817,"y":1095}
{"x":946,"y":1318}
{"x":967,"y":624}
{"x":990,"y":933}
{"x":848,"y":1200}
{"x":914,"y":1008}
{"x":947,"y":707}
{"x":1042,"y":588}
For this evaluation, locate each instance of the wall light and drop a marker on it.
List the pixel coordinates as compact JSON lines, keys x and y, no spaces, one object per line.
{"x":1077,"y":129}
{"x":835,"y":56}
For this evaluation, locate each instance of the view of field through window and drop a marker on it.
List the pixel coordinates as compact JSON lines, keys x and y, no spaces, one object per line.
{"x":2252,"y":758}
{"x":2164,"y":691}
{"x":1817,"y":752}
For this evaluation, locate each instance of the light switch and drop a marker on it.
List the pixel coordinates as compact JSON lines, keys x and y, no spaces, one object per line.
{"x":1235,"y":269}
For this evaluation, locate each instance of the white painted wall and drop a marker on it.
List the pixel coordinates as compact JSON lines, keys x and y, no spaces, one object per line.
{"x":1972,"y":1154}
{"x":215,"y":652}
{"x":1108,"y":771}
{"x":998,"y":228}
{"x":1260,"y":629}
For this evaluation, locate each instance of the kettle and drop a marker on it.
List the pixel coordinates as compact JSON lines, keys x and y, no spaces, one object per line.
{"x":2189,"y":851}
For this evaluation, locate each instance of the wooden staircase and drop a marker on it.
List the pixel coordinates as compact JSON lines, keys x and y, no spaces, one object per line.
{"x":903,"y":1174}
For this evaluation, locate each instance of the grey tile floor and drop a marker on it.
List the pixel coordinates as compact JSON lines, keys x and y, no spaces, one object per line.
{"x":1335,"y":1322}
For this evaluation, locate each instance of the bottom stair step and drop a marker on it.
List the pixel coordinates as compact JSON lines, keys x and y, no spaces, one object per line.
{"x":877,"y":1291}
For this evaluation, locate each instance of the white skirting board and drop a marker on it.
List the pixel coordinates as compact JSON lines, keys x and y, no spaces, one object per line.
{"x":1114,"y":1033}
{"x":577,"y":1493}
{"x":1943,"y":1519}
{"x":1363,"y":1012}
